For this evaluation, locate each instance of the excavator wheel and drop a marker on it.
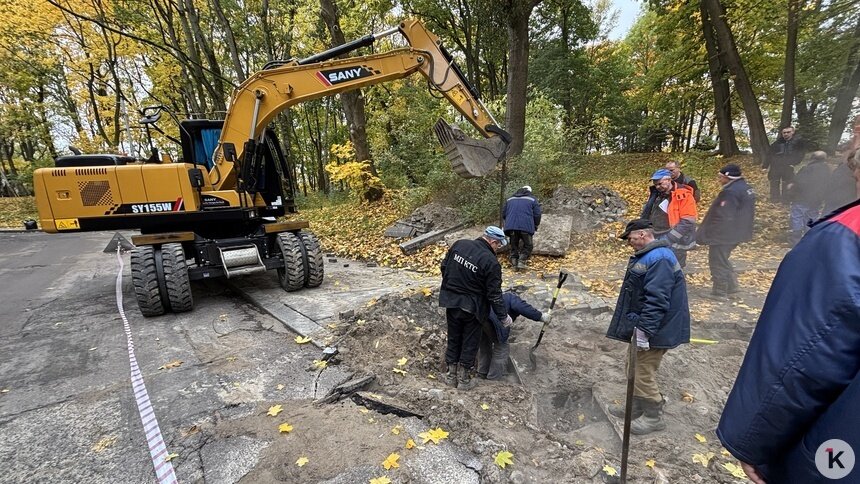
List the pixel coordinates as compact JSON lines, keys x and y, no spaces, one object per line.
{"x":292,"y":275}
{"x":176,"y":278}
{"x":314,"y":259}
{"x":144,"y":277}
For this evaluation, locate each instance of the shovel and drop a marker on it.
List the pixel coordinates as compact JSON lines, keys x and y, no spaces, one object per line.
{"x":628,"y":416}
{"x":562,"y":276}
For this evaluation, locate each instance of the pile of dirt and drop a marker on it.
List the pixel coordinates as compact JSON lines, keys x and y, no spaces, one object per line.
{"x":594,"y":205}
{"x":552,"y":418}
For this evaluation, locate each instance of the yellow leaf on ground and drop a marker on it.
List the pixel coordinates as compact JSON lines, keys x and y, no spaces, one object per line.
{"x":172,"y":364}
{"x":280,"y":387}
{"x":703,"y":459}
{"x":504,"y":458}
{"x":725,"y":452}
{"x":399,"y":370}
{"x":302,"y":461}
{"x":650,"y":463}
{"x":171,"y":456}
{"x":609,"y":470}
{"x":285,"y":428}
{"x":431,"y":376}
{"x":735,"y":470}
{"x":701,"y":438}
{"x":302,"y":340}
{"x":427,"y":291}
{"x":274,"y":410}
{"x":581,"y":418}
{"x":687,"y":397}
{"x":320,"y":364}
{"x":104,"y":443}
{"x":410,"y":444}
{"x":391,"y":461}
{"x":434,"y":435}
{"x":484,"y":406}
{"x":380,"y":480}
{"x":332,"y":326}
{"x":396,"y":429}
{"x":402,"y":361}
{"x":363,"y":410}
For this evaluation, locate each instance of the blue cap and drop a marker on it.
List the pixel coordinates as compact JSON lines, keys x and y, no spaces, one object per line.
{"x":661,"y":173}
{"x":497,"y":234}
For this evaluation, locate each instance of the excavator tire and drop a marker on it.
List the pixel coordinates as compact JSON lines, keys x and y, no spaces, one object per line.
{"x":292,"y":275}
{"x":176,"y":278}
{"x":314,"y":260}
{"x":144,"y":278}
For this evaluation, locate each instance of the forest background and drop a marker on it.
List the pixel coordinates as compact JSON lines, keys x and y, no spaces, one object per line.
{"x":710,"y":76}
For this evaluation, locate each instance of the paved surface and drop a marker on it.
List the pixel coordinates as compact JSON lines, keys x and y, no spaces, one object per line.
{"x":67,"y":412}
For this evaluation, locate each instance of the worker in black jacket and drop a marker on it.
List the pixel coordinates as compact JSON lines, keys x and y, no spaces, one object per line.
{"x":471,"y":288}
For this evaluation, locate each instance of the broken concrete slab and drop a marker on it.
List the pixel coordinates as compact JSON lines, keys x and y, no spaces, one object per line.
{"x":553,"y":235}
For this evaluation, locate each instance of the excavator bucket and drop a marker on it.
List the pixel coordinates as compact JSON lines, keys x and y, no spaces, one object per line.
{"x":469,"y":157}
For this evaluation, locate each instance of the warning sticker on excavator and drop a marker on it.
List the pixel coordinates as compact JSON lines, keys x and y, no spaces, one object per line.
{"x":458,"y":96}
{"x":67,"y":224}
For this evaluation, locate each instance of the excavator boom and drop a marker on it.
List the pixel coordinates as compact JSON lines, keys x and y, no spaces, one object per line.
{"x":268,"y":92}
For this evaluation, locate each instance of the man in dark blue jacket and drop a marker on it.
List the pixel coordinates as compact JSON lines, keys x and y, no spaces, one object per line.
{"x":653,"y":304}
{"x":799,"y":385}
{"x":494,"y":350}
{"x":728,"y":222}
{"x":471,"y":286}
{"x":521,"y":215}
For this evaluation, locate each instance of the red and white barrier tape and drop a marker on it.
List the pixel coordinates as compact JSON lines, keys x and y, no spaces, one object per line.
{"x":157,"y":449}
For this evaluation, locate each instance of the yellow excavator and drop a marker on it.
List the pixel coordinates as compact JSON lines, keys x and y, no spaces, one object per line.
{"x":213,"y":213}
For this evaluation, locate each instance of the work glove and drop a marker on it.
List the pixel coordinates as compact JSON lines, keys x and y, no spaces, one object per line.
{"x":642,"y":340}
{"x":507,"y":322}
{"x":546,"y":317}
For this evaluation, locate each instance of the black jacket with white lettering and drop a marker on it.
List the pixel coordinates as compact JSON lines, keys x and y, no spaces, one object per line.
{"x":472,"y":279}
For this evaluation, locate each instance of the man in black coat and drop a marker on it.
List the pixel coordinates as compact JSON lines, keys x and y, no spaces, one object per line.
{"x":471,"y":286}
{"x":787,"y":151}
{"x":681,"y":178}
{"x":728,"y":222}
{"x":842,"y":187}
{"x":808,"y":192}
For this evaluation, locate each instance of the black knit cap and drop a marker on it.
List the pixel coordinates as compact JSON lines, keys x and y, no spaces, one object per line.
{"x":731,"y":171}
{"x":638,"y":224}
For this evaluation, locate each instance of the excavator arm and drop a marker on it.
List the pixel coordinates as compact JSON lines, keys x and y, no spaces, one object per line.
{"x":270,"y":91}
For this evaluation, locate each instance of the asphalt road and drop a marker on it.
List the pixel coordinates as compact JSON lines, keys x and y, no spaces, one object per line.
{"x":67,"y":411}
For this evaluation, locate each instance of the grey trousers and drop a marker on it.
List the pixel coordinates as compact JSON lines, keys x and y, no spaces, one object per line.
{"x":492,"y":357}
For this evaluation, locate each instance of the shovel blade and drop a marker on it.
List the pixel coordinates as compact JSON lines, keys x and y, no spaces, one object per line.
{"x":469,"y":157}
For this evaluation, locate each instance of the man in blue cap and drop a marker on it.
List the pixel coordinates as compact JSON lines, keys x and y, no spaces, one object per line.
{"x":471,"y":288}
{"x":671,"y":208}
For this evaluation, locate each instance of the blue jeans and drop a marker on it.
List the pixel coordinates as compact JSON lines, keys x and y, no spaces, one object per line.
{"x":798,"y":221}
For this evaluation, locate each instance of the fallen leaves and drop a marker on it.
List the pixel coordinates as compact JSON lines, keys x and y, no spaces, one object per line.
{"x":650,"y":463}
{"x":687,"y":397}
{"x":701,"y":438}
{"x":302,"y":340}
{"x":390,"y":462}
{"x":280,"y":386}
{"x":302,"y":461}
{"x":402,"y":361}
{"x":380,"y":480}
{"x":274,"y":410}
{"x":485,"y":407}
{"x":703,"y":459}
{"x":172,"y":364}
{"x":285,"y":428}
{"x":410,"y":444}
{"x":609,"y":470}
{"x":504,"y":458}
{"x":320,"y":364}
{"x":171,"y":456}
{"x":400,"y":371}
{"x":104,"y":443}
{"x":735,"y":470}
{"x":396,"y":429}
{"x":426,"y":291}
{"x":434,"y":435}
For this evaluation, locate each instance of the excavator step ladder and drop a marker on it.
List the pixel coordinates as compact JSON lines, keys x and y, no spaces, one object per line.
{"x":240,"y":261}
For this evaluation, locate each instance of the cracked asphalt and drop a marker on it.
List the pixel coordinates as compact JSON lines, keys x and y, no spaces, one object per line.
{"x":68,"y":414}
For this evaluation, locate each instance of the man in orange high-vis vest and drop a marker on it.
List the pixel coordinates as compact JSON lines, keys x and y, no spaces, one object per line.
{"x":671,"y":208}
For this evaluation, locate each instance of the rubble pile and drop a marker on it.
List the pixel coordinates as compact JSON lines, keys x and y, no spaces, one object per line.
{"x":593,"y":204}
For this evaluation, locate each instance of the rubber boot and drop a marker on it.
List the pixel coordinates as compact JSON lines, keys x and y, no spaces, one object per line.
{"x":732,"y":288}
{"x":651,"y":419}
{"x":618,"y":410}
{"x":513,"y":261}
{"x":523,"y":263}
{"x":719,"y":292}
{"x":465,"y":380}
{"x":451,"y":375}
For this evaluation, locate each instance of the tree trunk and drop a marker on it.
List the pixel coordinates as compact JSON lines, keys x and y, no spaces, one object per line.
{"x":789,"y":69}
{"x":731,"y":58}
{"x":846,"y":94}
{"x":218,"y":100}
{"x":230,"y":39}
{"x":519,"y":12}
{"x":352,"y":101}
{"x":719,"y":81}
